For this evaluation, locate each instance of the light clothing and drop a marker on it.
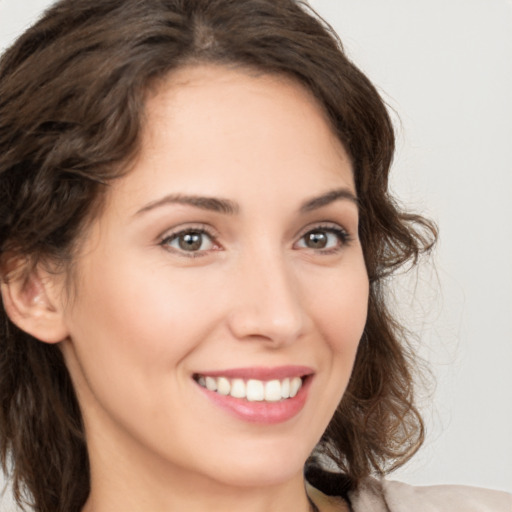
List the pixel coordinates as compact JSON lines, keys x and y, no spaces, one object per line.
{"x":374,"y":495}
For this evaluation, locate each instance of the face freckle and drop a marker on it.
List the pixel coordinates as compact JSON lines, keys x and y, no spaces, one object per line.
{"x":229,"y":251}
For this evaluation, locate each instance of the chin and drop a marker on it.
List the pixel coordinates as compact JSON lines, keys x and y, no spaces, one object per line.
{"x":261,"y":467}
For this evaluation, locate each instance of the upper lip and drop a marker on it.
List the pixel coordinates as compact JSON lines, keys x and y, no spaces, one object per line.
{"x":261,"y":372}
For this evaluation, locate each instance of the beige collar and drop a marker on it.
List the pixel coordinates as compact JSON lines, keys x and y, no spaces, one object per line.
{"x":326,"y":503}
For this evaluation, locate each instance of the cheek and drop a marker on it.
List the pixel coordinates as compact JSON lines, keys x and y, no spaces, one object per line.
{"x":343,"y":309}
{"x":137,"y":309}
{"x":340,"y":314}
{"x":130,"y":326}
{"x":338,"y":308}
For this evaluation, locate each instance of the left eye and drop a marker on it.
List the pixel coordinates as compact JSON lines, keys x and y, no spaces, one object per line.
{"x":323,"y":238}
{"x":189,"y":241}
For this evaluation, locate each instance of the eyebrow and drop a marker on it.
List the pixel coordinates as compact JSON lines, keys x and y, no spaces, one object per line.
{"x":330,"y":197}
{"x":203,"y":202}
{"x":229,"y":207}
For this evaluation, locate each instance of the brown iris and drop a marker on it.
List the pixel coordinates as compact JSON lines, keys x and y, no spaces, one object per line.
{"x":191,"y":241}
{"x":316,"y":240}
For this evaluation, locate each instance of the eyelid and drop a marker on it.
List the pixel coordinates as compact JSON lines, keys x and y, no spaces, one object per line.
{"x":187,"y":228}
{"x":345,"y":237}
{"x":324,"y":224}
{"x":332,"y":227}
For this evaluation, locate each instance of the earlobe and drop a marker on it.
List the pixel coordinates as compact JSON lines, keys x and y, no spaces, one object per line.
{"x":33,"y":304}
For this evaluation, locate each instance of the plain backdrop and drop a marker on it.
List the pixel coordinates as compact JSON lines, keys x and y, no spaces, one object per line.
{"x":445,"y":69}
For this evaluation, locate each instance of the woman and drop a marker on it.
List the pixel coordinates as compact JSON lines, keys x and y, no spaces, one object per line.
{"x":196,"y":232}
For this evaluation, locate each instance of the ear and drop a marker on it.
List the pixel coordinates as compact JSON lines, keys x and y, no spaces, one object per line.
{"x":34,"y":303}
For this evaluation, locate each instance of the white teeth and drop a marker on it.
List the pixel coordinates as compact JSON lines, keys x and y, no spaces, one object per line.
{"x":223,"y":386}
{"x":295,"y":385}
{"x":285,"y":388}
{"x":238,"y":388}
{"x":211,"y":383}
{"x":253,"y":390}
{"x":273,"y":391}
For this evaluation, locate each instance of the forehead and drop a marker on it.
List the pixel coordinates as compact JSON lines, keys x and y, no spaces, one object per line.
{"x":222,"y":131}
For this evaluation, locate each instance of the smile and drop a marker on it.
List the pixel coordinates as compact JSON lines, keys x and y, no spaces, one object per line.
{"x":260,"y":395}
{"x":253,"y":390}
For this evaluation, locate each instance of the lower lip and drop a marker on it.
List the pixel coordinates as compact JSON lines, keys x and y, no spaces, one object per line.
{"x":269,"y":413}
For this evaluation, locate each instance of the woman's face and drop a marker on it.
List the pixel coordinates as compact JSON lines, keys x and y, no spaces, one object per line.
{"x":227,"y":258}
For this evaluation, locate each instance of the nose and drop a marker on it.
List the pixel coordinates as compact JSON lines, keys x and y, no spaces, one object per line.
{"x":267,"y":304}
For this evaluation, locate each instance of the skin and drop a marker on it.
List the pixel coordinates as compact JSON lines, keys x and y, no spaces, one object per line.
{"x":146,"y":314}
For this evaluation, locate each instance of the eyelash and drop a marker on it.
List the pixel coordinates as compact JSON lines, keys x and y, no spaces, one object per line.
{"x":202,"y":230}
{"x":343,"y":236}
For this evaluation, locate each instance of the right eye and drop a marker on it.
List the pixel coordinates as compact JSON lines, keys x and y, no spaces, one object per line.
{"x":324,"y":239}
{"x":192,"y":241}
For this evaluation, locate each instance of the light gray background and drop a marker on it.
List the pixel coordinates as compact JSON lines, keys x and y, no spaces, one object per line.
{"x":445,"y":67}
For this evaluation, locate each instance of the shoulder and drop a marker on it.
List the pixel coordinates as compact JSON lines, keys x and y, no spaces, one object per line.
{"x":390,"y":496}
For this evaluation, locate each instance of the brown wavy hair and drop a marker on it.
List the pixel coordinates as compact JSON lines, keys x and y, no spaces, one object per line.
{"x":72,"y":95}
